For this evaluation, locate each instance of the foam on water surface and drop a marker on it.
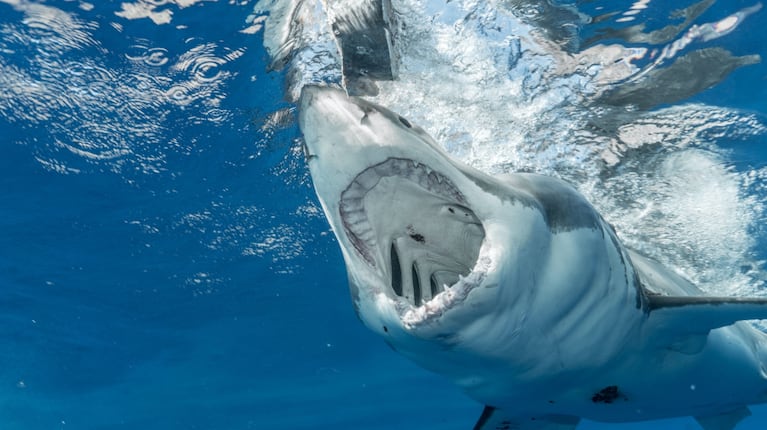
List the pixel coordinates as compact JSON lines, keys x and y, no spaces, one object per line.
{"x":509,"y":88}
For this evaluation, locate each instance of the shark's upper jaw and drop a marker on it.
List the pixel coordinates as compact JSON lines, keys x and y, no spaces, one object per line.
{"x":412,"y":225}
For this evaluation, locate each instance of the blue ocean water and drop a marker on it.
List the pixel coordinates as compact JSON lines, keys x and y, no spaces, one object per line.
{"x":163,"y":260}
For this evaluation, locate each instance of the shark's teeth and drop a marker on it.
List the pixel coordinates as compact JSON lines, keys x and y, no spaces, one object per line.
{"x":351,"y":204}
{"x":356,"y":222}
{"x":452,"y":295}
{"x":367,"y":179}
{"x":352,"y":208}
{"x":354,"y":192}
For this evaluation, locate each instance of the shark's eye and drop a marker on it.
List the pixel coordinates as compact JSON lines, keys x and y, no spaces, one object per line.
{"x":405,"y":122}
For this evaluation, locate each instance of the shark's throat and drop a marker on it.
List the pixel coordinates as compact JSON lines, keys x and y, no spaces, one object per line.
{"x":412,"y":224}
{"x":352,"y":208}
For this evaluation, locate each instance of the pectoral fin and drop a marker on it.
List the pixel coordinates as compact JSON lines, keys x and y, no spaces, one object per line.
{"x":726,"y":421}
{"x":678,"y":310}
{"x":496,"y":419}
{"x":708,"y":312}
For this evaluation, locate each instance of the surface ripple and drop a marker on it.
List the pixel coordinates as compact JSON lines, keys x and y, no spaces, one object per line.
{"x":82,"y":115}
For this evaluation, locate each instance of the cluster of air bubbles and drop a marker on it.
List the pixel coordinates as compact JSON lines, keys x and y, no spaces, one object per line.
{"x":203,"y":284}
{"x":506,"y":86}
{"x":537,"y":105}
{"x":692,"y":211}
{"x":220,"y":226}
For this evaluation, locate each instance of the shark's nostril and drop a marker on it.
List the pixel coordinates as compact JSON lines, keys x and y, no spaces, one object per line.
{"x":396,"y":271}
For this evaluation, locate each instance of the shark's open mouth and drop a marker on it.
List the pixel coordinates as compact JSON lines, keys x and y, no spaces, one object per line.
{"x":412,"y":224}
{"x":352,"y":207}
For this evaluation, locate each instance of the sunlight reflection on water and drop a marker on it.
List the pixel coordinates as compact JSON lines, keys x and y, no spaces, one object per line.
{"x":113,"y":119}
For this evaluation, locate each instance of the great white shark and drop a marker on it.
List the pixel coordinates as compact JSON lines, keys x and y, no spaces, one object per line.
{"x":516,"y":289}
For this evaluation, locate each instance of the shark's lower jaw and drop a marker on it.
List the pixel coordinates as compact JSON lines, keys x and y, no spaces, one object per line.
{"x":452,"y":297}
{"x":411,"y":225}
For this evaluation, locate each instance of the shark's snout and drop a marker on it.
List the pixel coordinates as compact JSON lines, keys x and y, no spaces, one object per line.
{"x":331,"y":123}
{"x":388,"y":193}
{"x":309,"y":95}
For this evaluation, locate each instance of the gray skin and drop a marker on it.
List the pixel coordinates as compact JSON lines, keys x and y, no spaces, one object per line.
{"x":516,"y":289}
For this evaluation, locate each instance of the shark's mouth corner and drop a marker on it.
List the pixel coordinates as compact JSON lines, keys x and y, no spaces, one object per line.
{"x":412,"y":226}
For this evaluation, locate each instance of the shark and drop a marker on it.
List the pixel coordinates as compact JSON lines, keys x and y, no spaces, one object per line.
{"x":516,"y":289}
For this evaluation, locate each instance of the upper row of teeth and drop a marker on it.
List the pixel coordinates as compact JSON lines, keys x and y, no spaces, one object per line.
{"x":352,"y":208}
